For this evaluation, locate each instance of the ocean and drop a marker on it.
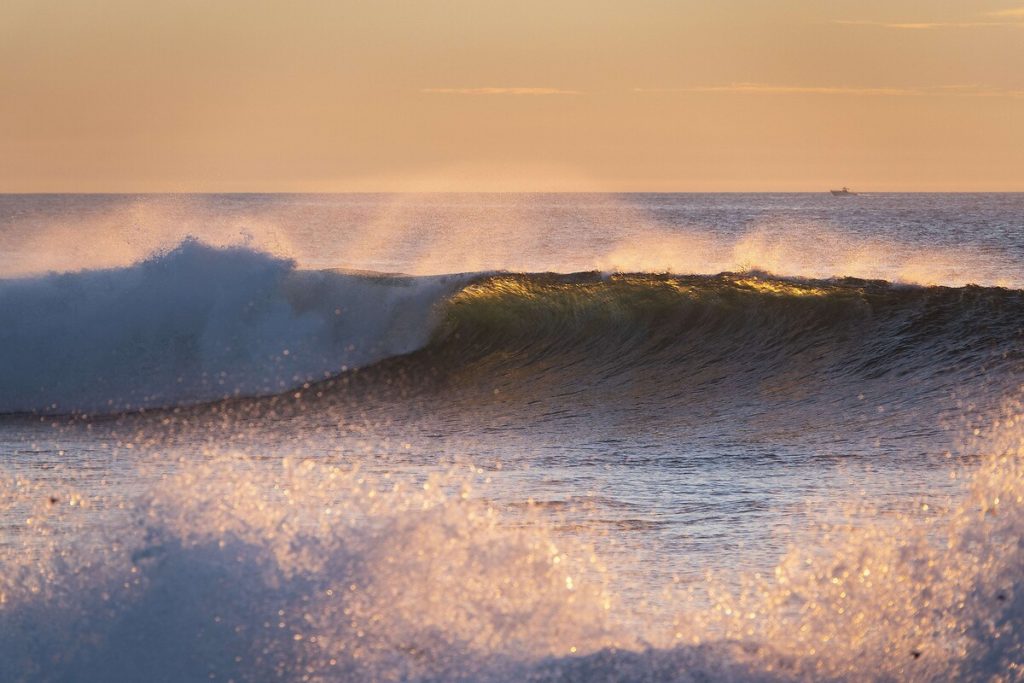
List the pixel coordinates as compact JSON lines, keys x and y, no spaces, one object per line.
{"x":512,"y":437}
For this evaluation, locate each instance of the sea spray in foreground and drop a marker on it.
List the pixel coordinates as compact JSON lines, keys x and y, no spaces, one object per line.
{"x":251,"y":569}
{"x":923,"y":595}
{"x":257,"y":570}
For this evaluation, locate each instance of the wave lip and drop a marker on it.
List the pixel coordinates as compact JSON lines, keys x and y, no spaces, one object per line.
{"x":198,"y":324}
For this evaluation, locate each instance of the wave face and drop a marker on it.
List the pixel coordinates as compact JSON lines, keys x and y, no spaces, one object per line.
{"x":685,"y":330}
{"x":198,"y":324}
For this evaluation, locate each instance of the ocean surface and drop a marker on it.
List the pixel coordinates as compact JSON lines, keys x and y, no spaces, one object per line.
{"x":511,"y":437}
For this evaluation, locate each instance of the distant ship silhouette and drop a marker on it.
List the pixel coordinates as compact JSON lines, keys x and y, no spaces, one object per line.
{"x":845,"y":192}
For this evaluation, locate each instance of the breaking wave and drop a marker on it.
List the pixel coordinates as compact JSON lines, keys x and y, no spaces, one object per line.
{"x":199,"y":324}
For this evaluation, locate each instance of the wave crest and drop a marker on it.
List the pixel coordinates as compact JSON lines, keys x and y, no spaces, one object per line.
{"x":198,"y":324}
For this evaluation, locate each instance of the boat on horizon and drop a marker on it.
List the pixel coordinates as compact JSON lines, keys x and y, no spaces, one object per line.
{"x":845,"y":192}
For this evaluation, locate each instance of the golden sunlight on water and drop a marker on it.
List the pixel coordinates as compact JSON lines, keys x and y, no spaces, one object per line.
{"x":311,"y":562}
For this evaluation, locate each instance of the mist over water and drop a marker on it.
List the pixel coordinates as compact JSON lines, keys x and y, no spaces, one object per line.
{"x":950,"y":239}
{"x":580,"y":437}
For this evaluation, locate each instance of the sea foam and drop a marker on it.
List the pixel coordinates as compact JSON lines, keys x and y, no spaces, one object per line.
{"x":196,"y":324}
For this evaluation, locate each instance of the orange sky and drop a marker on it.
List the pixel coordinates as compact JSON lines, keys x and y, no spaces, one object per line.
{"x":335,"y":95}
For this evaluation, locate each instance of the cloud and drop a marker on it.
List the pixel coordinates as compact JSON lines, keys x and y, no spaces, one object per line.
{"x":500,"y":91}
{"x":770,"y":89}
{"x":1014,"y":12}
{"x":785,"y":89}
{"x":930,"y":25}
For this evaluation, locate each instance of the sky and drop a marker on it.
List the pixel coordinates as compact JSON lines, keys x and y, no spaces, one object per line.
{"x":531,"y":95}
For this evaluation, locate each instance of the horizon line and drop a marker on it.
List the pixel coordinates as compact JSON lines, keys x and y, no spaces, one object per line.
{"x":470,"y":191}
